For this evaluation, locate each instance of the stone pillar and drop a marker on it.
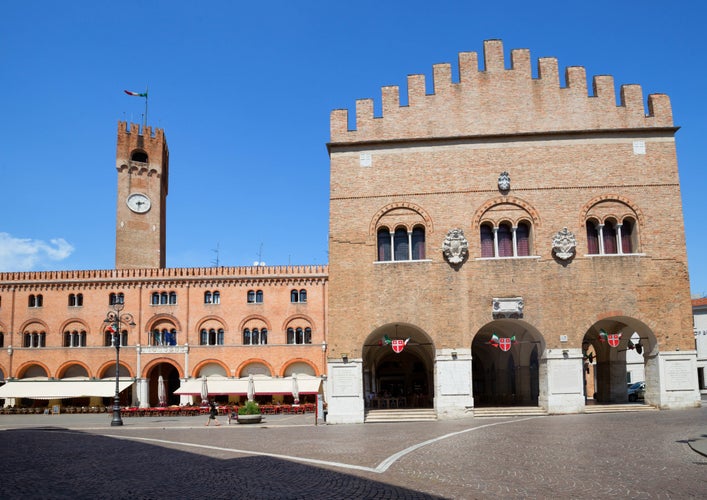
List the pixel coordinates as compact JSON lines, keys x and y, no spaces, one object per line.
{"x":344,"y":386}
{"x":671,"y":380}
{"x":143,"y":392}
{"x":561,"y":381}
{"x":453,"y":382}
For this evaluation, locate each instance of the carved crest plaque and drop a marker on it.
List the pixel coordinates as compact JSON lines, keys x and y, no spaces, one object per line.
{"x":563,"y":244}
{"x":455,"y":246}
{"x":504,"y":181}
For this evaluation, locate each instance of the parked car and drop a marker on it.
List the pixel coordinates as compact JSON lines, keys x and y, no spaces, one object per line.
{"x":636,"y":391}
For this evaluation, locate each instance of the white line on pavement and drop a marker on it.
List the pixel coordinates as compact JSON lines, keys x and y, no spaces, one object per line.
{"x":382,"y":467}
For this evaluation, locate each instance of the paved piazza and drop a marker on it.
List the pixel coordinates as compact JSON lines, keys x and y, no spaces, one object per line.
{"x":624,"y":455}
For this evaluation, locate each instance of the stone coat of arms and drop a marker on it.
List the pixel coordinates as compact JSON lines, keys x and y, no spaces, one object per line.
{"x":563,"y":244}
{"x":455,"y":246}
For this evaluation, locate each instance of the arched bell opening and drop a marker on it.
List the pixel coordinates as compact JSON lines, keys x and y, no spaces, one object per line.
{"x":398,"y":368}
{"x":505,"y":364}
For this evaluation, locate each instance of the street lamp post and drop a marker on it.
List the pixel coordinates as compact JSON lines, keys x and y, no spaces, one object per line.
{"x":115,"y":318}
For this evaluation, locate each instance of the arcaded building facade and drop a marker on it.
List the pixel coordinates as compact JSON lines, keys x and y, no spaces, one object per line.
{"x":512,"y":237}
{"x":499,"y":239}
{"x":184,"y":324}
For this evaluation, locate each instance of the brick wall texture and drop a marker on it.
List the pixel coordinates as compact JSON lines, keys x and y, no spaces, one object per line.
{"x":570,"y":155}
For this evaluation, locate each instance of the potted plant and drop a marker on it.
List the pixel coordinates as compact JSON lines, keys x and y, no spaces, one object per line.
{"x":249,"y":413}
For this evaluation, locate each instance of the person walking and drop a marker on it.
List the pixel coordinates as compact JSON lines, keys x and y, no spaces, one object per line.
{"x":213,"y":412}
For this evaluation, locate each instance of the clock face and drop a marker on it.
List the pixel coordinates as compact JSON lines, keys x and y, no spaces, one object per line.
{"x":138,"y":203}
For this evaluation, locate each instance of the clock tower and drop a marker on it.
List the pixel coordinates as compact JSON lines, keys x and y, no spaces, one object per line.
{"x":142,"y":161}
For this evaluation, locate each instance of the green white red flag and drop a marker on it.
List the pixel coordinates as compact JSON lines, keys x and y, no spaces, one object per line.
{"x":136,"y":94}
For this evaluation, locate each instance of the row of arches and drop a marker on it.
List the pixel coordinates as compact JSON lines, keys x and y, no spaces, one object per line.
{"x":504,"y":375}
{"x":163,"y":370}
{"x":505,"y":228}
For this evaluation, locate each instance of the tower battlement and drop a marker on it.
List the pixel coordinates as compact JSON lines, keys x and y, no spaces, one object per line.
{"x":499,"y":101}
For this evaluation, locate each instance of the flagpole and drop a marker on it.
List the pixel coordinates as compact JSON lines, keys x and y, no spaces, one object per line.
{"x":144,"y":125}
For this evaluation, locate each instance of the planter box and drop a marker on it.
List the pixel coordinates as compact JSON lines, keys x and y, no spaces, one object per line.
{"x":249,"y":419}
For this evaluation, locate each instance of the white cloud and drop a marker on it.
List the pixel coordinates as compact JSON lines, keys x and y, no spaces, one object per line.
{"x":24,"y":254}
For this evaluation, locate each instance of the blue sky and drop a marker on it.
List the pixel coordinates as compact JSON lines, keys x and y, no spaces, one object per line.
{"x":244,"y":91}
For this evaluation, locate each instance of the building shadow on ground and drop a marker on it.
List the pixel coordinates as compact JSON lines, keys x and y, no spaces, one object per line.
{"x":54,"y":462}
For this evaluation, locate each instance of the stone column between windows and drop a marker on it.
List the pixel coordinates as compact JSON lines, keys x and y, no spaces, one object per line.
{"x":600,"y":232}
{"x":515,"y":243}
{"x":619,"y":246}
{"x":392,"y":246}
{"x":409,"y":245}
{"x":495,"y":241}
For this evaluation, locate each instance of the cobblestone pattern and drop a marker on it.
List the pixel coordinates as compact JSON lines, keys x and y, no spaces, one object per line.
{"x":634,"y":455}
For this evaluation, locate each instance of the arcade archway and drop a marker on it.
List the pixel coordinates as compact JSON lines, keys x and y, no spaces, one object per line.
{"x":398,"y":368}
{"x":505,"y":364}
{"x":615,"y":351}
{"x":167,"y":375}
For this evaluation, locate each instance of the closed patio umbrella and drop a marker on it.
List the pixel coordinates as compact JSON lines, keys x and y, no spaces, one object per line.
{"x":251,"y":387}
{"x":161,"y":391}
{"x":204,"y":391}
{"x":295,"y":388}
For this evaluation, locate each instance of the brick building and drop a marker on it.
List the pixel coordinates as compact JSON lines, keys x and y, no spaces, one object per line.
{"x":500,"y":240}
{"x":504,"y":229}
{"x":223,"y":322}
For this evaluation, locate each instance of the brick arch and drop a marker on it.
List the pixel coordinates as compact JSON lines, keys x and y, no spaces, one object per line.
{"x":65,"y":366}
{"x":215,"y":318}
{"x":108,"y":368}
{"x":149,"y":366}
{"x":68,"y":322}
{"x":429,"y":227}
{"x":163,"y":317}
{"x":284,"y":367}
{"x":478,"y":218}
{"x":25,"y":366}
{"x":210,"y":361}
{"x":584,"y":212}
{"x":295,"y":317}
{"x":250,"y":361}
{"x":32,"y":322}
{"x":252,"y":317}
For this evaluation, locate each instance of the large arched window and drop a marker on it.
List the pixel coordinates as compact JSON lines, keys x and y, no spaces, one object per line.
{"x":611,"y":237}
{"x":163,"y":337}
{"x":75,"y":338}
{"x":110,"y":337}
{"x":401,"y":245}
{"x":505,"y":240}
{"x":34,"y":339}
{"x":299,"y":335}
{"x":211,"y":336}
{"x":612,"y":227}
{"x":255,"y":336}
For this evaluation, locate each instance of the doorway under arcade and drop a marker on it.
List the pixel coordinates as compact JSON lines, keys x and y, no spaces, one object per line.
{"x":505,"y":364}
{"x":398,"y":368}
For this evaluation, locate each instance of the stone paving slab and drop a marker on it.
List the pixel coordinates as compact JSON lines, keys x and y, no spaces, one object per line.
{"x":569,"y":456}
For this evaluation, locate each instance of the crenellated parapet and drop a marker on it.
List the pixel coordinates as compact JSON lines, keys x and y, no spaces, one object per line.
{"x":500,"y":101}
{"x":142,"y":150}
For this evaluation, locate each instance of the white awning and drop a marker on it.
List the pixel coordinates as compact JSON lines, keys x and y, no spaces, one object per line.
{"x":239,"y":386}
{"x":60,"y":389}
